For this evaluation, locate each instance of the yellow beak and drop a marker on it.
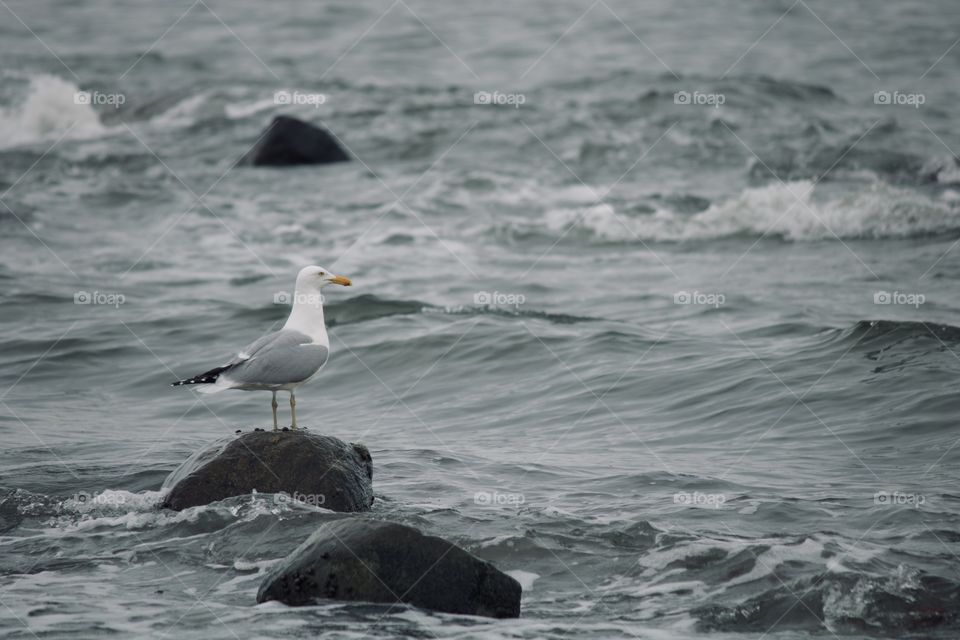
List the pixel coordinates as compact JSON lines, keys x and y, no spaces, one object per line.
{"x":342,"y":280}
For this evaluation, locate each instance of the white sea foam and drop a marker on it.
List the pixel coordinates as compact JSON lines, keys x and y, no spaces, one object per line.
{"x":113,"y":501}
{"x":525,"y":578}
{"x":49,"y":110}
{"x":788,"y":211}
{"x":772,"y":553}
{"x":237,"y":111}
{"x":133,"y":511}
{"x":183,"y":113}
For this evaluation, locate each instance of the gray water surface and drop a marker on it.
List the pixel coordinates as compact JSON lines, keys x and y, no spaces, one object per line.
{"x":670,"y":334}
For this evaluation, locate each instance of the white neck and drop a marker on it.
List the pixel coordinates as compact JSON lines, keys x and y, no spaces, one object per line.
{"x":306,"y":316}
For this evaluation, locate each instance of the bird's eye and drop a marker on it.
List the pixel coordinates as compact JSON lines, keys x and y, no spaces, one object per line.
{"x":321,"y":274}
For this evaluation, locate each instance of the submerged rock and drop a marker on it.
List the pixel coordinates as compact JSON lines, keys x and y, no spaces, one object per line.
{"x":319,"y":470}
{"x":367,"y":560}
{"x":288,"y":142}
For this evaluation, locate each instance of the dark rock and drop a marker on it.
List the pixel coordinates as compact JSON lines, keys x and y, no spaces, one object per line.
{"x":322,"y":470}
{"x":361,"y":559}
{"x":11,"y":515}
{"x":288,"y":142}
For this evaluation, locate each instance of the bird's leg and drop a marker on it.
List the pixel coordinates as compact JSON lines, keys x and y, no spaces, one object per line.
{"x":273,"y":403}
{"x":293,"y":410}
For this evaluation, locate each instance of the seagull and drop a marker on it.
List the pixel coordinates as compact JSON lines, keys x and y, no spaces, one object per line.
{"x":284,"y":359}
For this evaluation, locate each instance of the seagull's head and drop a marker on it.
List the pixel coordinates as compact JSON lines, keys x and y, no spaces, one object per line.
{"x":315,"y":278}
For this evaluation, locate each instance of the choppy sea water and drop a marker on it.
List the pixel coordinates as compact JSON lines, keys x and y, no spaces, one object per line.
{"x":667,"y":327}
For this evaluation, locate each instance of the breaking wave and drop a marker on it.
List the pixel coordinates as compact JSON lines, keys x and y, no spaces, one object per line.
{"x":787,"y":211}
{"x":49,"y":110}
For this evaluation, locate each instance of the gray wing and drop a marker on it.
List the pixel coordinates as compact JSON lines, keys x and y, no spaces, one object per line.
{"x":280,"y":357}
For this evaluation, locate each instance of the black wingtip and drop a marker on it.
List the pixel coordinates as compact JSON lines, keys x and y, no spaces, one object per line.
{"x":208,"y":377}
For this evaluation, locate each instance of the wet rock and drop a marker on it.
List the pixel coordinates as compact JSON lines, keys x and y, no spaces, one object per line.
{"x":322,"y":470}
{"x":10,"y":513}
{"x":367,"y":560}
{"x":289,"y":142}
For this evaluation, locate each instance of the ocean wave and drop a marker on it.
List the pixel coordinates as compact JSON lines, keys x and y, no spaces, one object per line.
{"x":813,"y":583}
{"x":905,"y":602}
{"x":247,"y":109}
{"x":512,"y":312}
{"x":371,"y":307}
{"x":786,"y":211}
{"x":48,"y":111}
{"x":855,"y":158}
{"x":896,"y":331}
{"x":121,"y":509}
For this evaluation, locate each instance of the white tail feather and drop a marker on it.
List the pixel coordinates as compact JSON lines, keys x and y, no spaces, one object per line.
{"x":220,"y":385}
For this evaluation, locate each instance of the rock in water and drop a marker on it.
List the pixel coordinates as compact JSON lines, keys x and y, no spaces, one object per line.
{"x":361,"y":559}
{"x":320,"y":470}
{"x":288,"y":142}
